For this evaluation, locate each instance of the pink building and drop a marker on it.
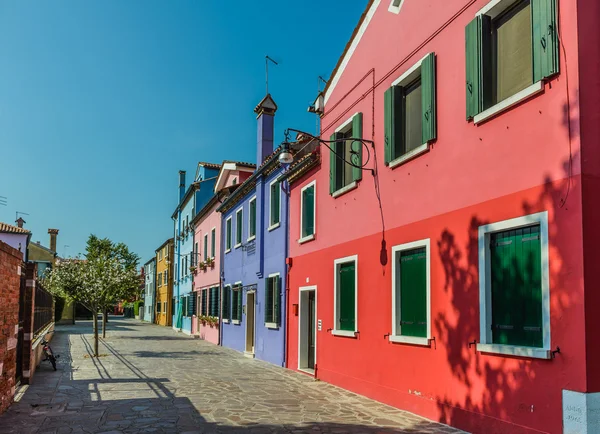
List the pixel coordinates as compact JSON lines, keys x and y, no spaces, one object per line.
{"x":207,"y":250}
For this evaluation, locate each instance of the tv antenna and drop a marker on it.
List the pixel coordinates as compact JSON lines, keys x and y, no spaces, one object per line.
{"x":3,"y":200}
{"x":267,"y":59}
{"x":18,"y":214}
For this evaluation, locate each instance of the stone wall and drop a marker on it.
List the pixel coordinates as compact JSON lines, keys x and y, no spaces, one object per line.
{"x":10,"y":279}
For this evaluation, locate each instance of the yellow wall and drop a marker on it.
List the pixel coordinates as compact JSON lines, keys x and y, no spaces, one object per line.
{"x":164,"y":292}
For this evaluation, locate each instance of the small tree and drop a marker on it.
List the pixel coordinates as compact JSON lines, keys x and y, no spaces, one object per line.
{"x":107,"y":274}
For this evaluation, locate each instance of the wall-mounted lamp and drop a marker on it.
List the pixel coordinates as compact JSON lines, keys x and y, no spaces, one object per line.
{"x":285,"y":156}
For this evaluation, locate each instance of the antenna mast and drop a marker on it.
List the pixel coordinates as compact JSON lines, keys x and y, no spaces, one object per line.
{"x":267,"y":59}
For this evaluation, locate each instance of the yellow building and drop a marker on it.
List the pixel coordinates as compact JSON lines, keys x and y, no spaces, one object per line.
{"x":164,"y":284}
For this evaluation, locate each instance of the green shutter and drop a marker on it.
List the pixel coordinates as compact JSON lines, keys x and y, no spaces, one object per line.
{"x":227,"y":303}
{"x":389,"y":124}
{"x":545,"y":39}
{"x":213,"y":241}
{"x":308,"y":211}
{"x":473,"y":67}
{"x":268,"y":301}
{"x":428,"y":98}
{"x":332,"y":164}
{"x":357,"y":146}
{"x":228,"y":234}
{"x":413,"y":293}
{"x":238,"y":227}
{"x":204,"y":310}
{"x":277,"y":301}
{"x":252,"y":229}
{"x":347,"y":287}
{"x":516,"y":287}
{"x":275,"y":203}
{"x":240,"y":297}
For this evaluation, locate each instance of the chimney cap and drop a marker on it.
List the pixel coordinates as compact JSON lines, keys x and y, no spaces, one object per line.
{"x":267,"y":105}
{"x":53,"y":231}
{"x":20,"y":222}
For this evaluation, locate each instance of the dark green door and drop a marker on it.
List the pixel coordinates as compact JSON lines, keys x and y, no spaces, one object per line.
{"x":413,"y":293}
{"x":347,"y":296}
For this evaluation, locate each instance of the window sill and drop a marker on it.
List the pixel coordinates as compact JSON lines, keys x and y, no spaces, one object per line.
{"x":409,"y":155}
{"x":236,"y":322}
{"x":275,"y":226}
{"x":306,"y":239}
{"x":508,"y":103}
{"x":225,"y":321}
{"x":345,"y":189}
{"x":237,"y":246}
{"x":272,"y":325}
{"x":510,"y":350}
{"x":227,"y":250}
{"x":344,"y":333}
{"x":411,"y":340}
{"x":252,"y":238}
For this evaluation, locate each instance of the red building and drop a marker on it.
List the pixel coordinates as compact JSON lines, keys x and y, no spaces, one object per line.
{"x":467,"y":293}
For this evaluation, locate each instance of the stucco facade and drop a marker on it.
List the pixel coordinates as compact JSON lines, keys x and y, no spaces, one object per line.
{"x":164,"y":284}
{"x":149,"y":290}
{"x":518,"y":167}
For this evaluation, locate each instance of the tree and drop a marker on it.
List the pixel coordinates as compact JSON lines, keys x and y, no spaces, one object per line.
{"x":106,"y":275}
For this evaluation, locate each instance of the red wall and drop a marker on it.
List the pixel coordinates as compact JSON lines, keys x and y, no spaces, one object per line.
{"x":510,"y":166}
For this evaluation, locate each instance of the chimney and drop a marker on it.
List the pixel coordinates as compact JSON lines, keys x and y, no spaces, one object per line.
{"x":53,"y":233}
{"x":265,"y":114}
{"x":181,"y":184}
{"x":20,"y":222}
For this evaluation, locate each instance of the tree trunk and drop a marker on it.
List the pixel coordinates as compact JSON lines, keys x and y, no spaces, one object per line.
{"x":104,"y":323}
{"x":95,"y":313}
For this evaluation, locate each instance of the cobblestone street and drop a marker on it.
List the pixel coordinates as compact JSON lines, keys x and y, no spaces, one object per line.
{"x":151,"y":379}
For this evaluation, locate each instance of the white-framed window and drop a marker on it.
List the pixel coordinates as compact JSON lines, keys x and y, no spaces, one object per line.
{"x":226,"y":303}
{"x":205,"y":257}
{"x":274,"y":204}
{"x":308,"y":212}
{"x":165,"y":307}
{"x":411,"y":293}
{"x":273,"y":300}
{"x":252,"y":219}
{"x":346,"y":156}
{"x":239,"y":227}
{"x":345,"y":283}
{"x":514,"y":287}
{"x":228,"y":235}
{"x":213,"y":242}
{"x":395,"y":6}
{"x":160,"y":254}
{"x":166,"y":277}
{"x":160,"y":281}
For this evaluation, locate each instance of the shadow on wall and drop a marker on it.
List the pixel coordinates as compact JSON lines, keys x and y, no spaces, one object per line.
{"x":502,"y":387}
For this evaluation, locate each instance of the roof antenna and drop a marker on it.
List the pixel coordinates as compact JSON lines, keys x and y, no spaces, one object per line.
{"x":267,"y":59}
{"x":19,"y":213}
{"x":3,"y":200}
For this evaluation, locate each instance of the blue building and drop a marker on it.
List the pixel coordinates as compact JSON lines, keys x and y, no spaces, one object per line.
{"x":149,"y":290}
{"x":254,"y":239}
{"x":191,"y":201}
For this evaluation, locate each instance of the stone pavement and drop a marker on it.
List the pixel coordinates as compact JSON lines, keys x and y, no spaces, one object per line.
{"x":151,"y":379}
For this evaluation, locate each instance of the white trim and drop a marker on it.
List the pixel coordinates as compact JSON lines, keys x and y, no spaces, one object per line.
{"x":345,"y":189}
{"x":300,"y":291}
{"x":336,"y":263}
{"x":502,"y":106}
{"x":395,"y":6}
{"x":227,"y":250}
{"x":236,"y":322}
{"x":511,"y":350}
{"x":411,"y":340}
{"x":411,"y":74}
{"x":495,"y":7}
{"x":225,"y":321}
{"x":355,"y":41}
{"x":347,"y":123}
{"x":273,"y":275}
{"x":485,"y":302}
{"x":422,"y":149}
{"x":252,"y":237}
{"x":237,"y":211}
{"x":254,"y":293}
{"x":306,"y":187}
{"x":271,"y":325}
{"x":396,"y":334}
{"x":275,"y":225}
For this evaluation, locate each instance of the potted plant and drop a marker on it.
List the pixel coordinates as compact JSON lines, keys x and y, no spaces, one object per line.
{"x":193,"y":269}
{"x":202,"y":265}
{"x":210,"y":262}
{"x":214,"y":321}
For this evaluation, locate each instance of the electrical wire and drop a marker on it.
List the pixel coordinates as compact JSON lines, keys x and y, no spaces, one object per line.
{"x":570,"y":174}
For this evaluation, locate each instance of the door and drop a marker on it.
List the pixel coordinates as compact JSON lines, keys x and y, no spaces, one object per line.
{"x":312,"y":330}
{"x":250,"y":311}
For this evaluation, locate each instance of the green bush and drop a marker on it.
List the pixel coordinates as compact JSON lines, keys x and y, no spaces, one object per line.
{"x":136,"y":307}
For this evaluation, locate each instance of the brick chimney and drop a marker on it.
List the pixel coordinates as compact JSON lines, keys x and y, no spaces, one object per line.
{"x":181,"y":185}
{"x":265,"y":115}
{"x":53,"y":233}
{"x":20,"y":222}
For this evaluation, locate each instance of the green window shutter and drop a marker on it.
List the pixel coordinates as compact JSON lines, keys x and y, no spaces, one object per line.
{"x":545,"y":39}
{"x":275,"y":203}
{"x":428,"y":98}
{"x":474,"y":67}
{"x":213,"y":236}
{"x":227,"y":303}
{"x":347,"y":296}
{"x":204,"y":304}
{"x":234,"y":304}
{"x":240,"y":297}
{"x":238,"y":227}
{"x":516,"y":287}
{"x":277,"y":300}
{"x":308,"y":211}
{"x":413,"y":293}
{"x":205,"y":247}
{"x":389,"y":123}
{"x":332,"y":165}
{"x":252,"y":229}
{"x":268,"y":300}
{"x":228,"y":234}
{"x":357,"y":124}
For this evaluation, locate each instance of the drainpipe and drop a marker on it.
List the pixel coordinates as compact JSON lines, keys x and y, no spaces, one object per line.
{"x":287,"y":270}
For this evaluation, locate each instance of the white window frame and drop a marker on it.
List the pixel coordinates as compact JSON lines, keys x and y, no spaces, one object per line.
{"x":241,"y":291}
{"x":213,"y":246}
{"x":227,"y":250}
{"x":165,"y":307}
{"x":395,"y":6}
{"x":252,"y":237}
{"x":276,"y":225}
{"x":336,"y":266}
{"x":307,"y":238}
{"x":225,"y":288}
{"x":405,"y":79}
{"x":397,"y":250}
{"x":354,"y":184}
{"x":273,"y":325}
{"x":238,"y":245}
{"x":485,"y":344}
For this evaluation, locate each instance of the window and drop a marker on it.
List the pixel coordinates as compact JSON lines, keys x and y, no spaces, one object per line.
{"x":160,"y":255}
{"x":346,"y":158}
{"x":345,"y":285}
{"x":238,"y":227}
{"x":214,"y":302}
{"x":213,"y":242}
{"x":164,"y":307}
{"x":272,"y":301}
{"x":158,"y":307}
{"x":184,"y":306}
{"x":160,"y":279}
{"x":234,"y":181}
{"x":274,"y":208}
{"x":410,"y":113}
{"x":307,"y":212}
{"x":191,"y":305}
{"x":226,"y":303}
{"x":204,"y":310}
{"x":411,"y":293}
{"x":205,"y":247}
{"x":252,"y":219}
{"x":511,"y":47}
{"x":165,"y":277}
{"x":196,"y":251}
{"x":236,"y":303}
{"x":395,"y":6}
{"x":228,"y":235}
{"x":514,"y":287}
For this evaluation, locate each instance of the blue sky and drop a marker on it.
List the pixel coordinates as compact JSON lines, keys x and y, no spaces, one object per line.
{"x":101,"y":103}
